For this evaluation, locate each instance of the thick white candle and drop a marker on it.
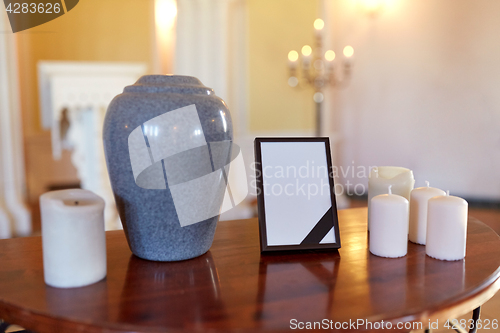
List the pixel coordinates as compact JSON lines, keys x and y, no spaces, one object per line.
{"x":446,"y":228}
{"x":73,"y":238}
{"x":418,"y":211}
{"x":401,"y":179}
{"x":389,"y":229}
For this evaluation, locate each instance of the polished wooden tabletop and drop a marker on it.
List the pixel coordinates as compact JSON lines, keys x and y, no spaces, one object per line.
{"x":233,"y":286}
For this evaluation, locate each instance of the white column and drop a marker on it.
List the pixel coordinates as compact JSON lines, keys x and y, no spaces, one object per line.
{"x":202,"y":42}
{"x":14,"y":216}
{"x":211,"y":44}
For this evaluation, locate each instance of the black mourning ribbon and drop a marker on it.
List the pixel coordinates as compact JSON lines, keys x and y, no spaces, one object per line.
{"x":324,"y":225}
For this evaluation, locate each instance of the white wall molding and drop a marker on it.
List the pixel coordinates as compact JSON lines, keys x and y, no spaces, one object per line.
{"x":85,"y":90}
{"x":15,"y":218}
{"x":87,"y":84}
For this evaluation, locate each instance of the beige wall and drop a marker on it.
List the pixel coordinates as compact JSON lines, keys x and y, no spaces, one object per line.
{"x":424,"y":92}
{"x":95,"y":30}
{"x":274,"y":28}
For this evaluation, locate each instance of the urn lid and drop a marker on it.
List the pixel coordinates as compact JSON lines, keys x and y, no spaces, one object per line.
{"x":178,"y":84}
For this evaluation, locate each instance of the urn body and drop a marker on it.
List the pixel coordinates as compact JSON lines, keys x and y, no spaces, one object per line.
{"x":164,"y":138}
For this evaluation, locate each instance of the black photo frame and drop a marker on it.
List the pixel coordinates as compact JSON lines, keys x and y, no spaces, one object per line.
{"x":289,"y":222}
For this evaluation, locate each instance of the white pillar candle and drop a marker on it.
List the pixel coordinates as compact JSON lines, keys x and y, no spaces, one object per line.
{"x":73,"y":238}
{"x":446,"y":227}
{"x":389,"y":229}
{"x":401,"y":179}
{"x":418,"y":211}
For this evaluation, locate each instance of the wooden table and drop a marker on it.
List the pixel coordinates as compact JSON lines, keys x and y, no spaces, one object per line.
{"x":233,"y":286}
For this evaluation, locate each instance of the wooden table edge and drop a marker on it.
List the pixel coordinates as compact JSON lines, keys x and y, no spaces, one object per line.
{"x":488,"y":289}
{"x":458,"y":307}
{"x":39,"y":321}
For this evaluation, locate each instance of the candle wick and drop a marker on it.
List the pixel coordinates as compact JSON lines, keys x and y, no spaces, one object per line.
{"x":76,"y":203}
{"x":390,"y":189}
{"x":426,"y":183}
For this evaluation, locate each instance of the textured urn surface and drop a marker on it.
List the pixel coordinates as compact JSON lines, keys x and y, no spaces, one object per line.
{"x":149,"y":215}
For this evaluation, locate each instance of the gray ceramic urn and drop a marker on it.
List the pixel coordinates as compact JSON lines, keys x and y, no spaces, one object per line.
{"x":168,"y":141}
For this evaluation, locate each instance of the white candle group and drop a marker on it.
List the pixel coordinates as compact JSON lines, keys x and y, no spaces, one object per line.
{"x":425,"y":215}
{"x":73,"y":238}
{"x":401,"y":180}
{"x":389,"y":225}
{"x":418,"y":212}
{"x":446,"y":228}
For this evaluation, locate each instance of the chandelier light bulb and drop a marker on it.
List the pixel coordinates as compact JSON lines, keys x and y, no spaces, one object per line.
{"x":318,"y":97}
{"x":319,"y":24}
{"x":293,"y":81}
{"x":306,"y":50}
{"x":348,"y":51}
{"x":329,"y":55}
{"x":293,"y":55}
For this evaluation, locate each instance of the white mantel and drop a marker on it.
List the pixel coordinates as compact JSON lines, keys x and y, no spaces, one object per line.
{"x":85,"y":90}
